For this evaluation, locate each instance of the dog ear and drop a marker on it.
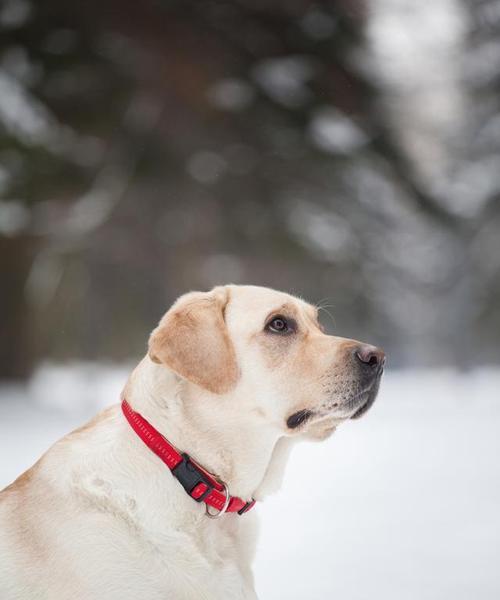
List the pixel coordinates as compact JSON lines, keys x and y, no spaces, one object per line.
{"x":192,"y":339}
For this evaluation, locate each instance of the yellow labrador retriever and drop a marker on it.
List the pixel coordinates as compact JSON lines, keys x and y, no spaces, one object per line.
{"x":123,"y":508}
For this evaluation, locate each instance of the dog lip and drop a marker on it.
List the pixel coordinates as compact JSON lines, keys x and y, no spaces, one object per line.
{"x":362,"y":409}
{"x":371,"y":395}
{"x":298,"y":418}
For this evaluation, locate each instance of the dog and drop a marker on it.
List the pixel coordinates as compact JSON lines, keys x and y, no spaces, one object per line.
{"x":154,"y":498}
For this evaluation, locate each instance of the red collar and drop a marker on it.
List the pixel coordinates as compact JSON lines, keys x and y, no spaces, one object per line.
{"x":198,"y":483}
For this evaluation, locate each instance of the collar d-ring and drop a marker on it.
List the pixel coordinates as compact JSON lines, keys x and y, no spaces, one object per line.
{"x":224,"y":508}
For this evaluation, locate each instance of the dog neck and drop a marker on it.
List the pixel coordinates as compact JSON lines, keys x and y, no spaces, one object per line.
{"x":222,"y":436}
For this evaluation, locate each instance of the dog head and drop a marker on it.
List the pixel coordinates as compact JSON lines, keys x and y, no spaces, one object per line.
{"x":266,"y":354}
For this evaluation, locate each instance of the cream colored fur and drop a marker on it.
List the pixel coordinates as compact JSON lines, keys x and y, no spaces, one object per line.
{"x":100,"y":517}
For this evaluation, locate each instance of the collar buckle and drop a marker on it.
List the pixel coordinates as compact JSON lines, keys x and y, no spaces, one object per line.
{"x":189,"y":476}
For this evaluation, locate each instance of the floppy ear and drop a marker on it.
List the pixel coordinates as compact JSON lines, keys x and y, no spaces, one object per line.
{"x":192,"y":340}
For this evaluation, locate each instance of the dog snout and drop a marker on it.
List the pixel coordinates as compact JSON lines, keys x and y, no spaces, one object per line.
{"x":370,"y":359}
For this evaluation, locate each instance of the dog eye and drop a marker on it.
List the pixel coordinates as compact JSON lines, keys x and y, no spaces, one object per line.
{"x":280,"y":325}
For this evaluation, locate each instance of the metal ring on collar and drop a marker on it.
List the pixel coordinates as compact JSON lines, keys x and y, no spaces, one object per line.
{"x":224,"y":508}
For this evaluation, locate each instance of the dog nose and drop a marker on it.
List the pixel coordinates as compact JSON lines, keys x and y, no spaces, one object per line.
{"x":370,"y":356}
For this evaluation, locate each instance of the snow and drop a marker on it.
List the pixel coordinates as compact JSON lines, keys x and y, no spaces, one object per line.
{"x":401,"y":504}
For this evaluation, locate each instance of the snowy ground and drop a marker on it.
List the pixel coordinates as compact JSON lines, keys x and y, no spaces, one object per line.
{"x":402,"y":505}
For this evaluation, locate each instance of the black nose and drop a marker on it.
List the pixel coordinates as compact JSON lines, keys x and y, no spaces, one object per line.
{"x":370,"y":357}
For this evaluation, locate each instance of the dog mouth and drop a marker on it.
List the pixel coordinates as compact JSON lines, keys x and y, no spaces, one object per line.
{"x":358,"y":405}
{"x":299,"y":418}
{"x":367,"y":398}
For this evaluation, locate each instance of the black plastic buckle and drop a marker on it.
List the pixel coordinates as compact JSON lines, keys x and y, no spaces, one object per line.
{"x":189,"y":476}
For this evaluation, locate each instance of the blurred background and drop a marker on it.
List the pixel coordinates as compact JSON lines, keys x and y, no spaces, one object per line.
{"x":346,"y":151}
